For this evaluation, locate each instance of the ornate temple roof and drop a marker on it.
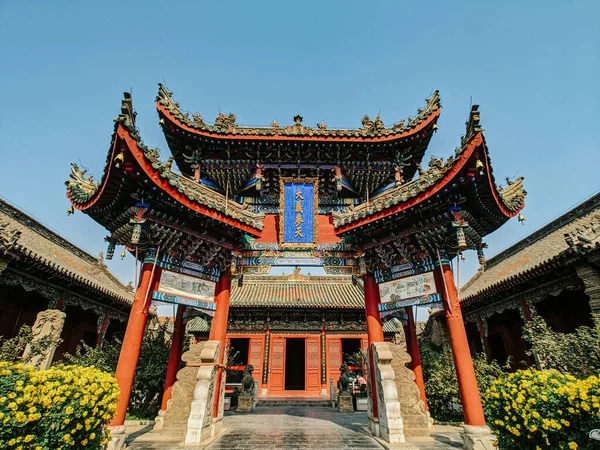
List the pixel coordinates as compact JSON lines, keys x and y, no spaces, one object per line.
{"x":297,"y":291}
{"x":229,"y":154}
{"x":31,"y":244}
{"x":436,"y":178}
{"x":128,"y":149}
{"x":137,"y":188}
{"x":226,"y":126}
{"x":450,"y":206}
{"x":573,"y":233}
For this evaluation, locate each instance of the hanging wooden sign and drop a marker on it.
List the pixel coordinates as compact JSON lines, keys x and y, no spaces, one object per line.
{"x":409,"y":291}
{"x":299,"y":209}
{"x":185,"y":290}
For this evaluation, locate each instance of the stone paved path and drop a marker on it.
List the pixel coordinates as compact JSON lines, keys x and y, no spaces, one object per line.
{"x":292,"y":428}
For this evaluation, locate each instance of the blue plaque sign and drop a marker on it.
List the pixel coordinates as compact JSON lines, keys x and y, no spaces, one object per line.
{"x":298,"y":212}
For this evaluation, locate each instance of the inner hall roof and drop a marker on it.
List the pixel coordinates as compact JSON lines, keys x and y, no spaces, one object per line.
{"x":297,"y":291}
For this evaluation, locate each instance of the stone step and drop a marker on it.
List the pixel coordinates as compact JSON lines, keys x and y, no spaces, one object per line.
{"x":294,"y":403}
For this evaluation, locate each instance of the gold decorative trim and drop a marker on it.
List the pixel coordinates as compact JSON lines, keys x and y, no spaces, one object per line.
{"x":315,"y":182}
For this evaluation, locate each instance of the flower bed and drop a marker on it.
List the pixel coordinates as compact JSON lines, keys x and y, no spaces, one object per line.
{"x":59,"y":408}
{"x":532,"y":409}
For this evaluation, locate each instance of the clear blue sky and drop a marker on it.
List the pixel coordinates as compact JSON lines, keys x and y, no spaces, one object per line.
{"x":533,"y":67}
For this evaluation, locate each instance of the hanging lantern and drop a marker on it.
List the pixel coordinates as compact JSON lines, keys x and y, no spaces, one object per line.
{"x":123,"y":254}
{"x":338,"y":179}
{"x":110,"y":251}
{"x":479,"y":166}
{"x":398,"y":176}
{"x":461,"y":238}
{"x":137,"y":232}
{"x":481,"y":255}
{"x":70,"y":211}
{"x":119,"y":159}
{"x":362,"y":266}
{"x":521,"y":219}
{"x":259,"y":178}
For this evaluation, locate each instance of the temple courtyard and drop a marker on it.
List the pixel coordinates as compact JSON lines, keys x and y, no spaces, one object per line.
{"x":293,"y":428}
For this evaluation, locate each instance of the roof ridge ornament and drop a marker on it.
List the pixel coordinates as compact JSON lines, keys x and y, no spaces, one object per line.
{"x":225,"y":124}
{"x":80,"y":188}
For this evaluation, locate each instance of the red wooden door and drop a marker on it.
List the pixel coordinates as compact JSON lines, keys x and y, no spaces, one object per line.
{"x":255,"y":357}
{"x":313,"y":379}
{"x":277,"y":364}
{"x":334,"y":360}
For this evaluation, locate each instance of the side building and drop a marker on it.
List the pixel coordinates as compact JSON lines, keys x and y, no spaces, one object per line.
{"x":40,"y":270}
{"x":554,"y":273}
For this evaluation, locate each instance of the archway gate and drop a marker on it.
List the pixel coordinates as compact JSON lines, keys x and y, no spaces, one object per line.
{"x":357,"y":202}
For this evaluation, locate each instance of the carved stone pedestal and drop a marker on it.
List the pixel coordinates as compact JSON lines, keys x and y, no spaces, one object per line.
{"x":416,"y":420}
{"x":478,"y":438}
{"x":388,"y":426}
{"x":245,"y":404}
{"x":200,"y":425}
{"x":117,"y":438}
{"x":174,"y":419}
{"x":159,"y":421}
{"x":345,"y":403}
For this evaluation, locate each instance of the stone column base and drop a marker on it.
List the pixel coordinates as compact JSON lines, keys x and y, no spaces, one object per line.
{"x":479,"y":438}
{"x":245,"y":404}
{"x":200,"y":425}
{"x":345,"y":403}
{"x":374,"y":426}
{"x":391,"y":426}
{"x":117,"y":438}
{"x":159,"y":420}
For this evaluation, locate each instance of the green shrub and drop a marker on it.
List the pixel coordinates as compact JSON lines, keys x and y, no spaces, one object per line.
{"x":575,"y":353}
{"x":148,"y":384}
{"x":62,"y":407}
{"x":441,"y":385}
{"x":532,"y":409}
{"x":12,"y":349}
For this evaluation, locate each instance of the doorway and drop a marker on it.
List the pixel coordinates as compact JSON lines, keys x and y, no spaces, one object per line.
{"x":295,"y":364}
{"x":350,"y":348}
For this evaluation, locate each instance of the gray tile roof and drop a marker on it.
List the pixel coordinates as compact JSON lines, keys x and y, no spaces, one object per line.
{"x":39,"y":244}
{"x":541,"y":248}
{"x":297,"y":291}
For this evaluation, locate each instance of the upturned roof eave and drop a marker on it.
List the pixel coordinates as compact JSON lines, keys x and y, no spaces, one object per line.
{"x":458,"y":165}
{"x":123,"y":135}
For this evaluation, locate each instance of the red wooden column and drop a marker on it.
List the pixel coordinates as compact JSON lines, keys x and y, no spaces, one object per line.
{"x":174,"y":356}
{"x":218,"y":328}
{"x":465,"y":373}
{"x":132,"y":342}
{"x":412,"y":346}
{"x":374,"y":330}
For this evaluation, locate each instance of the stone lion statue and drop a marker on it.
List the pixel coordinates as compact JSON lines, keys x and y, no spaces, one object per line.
{"x":248,"y":380}
{"x":344,"y":381}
